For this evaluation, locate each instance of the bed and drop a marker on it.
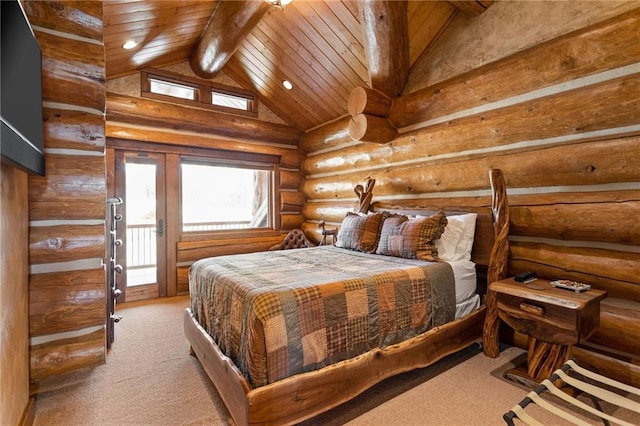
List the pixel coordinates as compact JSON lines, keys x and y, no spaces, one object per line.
{"x":302,"y":331}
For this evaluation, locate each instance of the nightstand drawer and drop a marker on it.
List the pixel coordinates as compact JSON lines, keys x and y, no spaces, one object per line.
{"x":553,"y":323}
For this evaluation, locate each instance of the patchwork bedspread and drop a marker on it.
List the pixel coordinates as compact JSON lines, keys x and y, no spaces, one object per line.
{"x":280,"y":313}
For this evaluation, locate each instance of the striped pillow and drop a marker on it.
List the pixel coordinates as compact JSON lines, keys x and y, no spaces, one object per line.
{"x":360,"y":232}
{"x":412,"y":238}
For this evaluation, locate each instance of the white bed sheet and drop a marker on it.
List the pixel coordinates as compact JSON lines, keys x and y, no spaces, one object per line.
{"x":467,"y":300}
{"x":464,"y":272}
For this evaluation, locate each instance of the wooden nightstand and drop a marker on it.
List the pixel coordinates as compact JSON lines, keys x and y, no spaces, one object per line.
{"x":554,"y":319}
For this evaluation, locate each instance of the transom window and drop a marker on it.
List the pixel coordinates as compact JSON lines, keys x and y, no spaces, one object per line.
{"x":176,"y":88}
{"x":168,"y":88}
{"x":225,"y":196}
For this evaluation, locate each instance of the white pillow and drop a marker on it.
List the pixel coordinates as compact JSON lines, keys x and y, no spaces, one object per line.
{"x":456,"y":241}
{"x":449,"y":240}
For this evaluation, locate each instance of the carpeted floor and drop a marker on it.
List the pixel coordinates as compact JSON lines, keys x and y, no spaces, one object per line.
{"x":150,"y":379}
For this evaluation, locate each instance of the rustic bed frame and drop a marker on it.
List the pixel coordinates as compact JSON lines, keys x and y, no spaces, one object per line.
{"x":305,"y":395}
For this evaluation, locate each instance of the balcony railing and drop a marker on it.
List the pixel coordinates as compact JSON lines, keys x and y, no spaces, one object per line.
{"x":141,"y":247}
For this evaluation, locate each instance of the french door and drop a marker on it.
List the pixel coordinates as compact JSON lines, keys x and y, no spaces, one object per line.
{"x":140,"y":182}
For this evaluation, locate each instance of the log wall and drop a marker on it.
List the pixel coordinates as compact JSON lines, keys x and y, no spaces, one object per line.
{"x":67,"y":314}
{"x":561,"y":119}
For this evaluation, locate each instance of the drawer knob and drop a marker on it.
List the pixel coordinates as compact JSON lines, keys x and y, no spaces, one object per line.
{"x":532,"y":309}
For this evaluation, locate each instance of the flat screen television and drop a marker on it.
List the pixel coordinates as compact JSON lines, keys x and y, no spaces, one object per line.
{"x":21,"y":141}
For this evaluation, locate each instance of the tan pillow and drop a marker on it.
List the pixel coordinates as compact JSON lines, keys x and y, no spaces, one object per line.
{"x":412,"y":238}
{"x":360,"y":232}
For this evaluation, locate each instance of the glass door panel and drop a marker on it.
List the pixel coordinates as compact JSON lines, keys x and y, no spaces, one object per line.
{"x":141,"y":223}
{"x":141,"y":182}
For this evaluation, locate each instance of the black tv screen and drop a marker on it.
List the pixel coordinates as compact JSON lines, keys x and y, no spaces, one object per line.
{"x":21,"y":141}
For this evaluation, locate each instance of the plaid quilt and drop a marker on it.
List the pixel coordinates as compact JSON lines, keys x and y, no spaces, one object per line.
{"x":280,"y":313}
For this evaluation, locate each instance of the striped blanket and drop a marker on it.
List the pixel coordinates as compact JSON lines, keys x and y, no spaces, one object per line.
{"x":280,"y":313}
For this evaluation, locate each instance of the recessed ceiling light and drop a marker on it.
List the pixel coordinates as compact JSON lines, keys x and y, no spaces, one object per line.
{"x":279,"y":3}
{"x":287,"y":84}
{"x":130,"y":44}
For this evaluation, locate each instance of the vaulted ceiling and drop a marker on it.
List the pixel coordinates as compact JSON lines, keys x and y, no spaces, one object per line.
{"x":315,"y":44}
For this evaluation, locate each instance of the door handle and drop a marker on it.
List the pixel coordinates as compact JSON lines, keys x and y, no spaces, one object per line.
{"x":160,"y":229}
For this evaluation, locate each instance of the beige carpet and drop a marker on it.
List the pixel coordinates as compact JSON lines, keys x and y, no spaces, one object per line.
{"x":150,"y":379}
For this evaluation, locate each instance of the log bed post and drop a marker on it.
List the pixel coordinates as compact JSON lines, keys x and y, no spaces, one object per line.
{"x":499,"y":257}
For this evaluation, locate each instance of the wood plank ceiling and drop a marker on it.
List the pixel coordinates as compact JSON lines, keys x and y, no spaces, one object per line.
{"x":315,"y":44}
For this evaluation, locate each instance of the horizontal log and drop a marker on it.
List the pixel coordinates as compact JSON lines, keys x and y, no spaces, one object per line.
{"x":183,"y":280}
{"x":603,"y":106}
{"x":147,"y":112}
{"x":619,"y":325}
{"x":312,"y":231}
{"x":194,"y":250}
{"x":614,"y":366}
{"x":603,"y":222}
{"x":386,"y":45}
{"x":290,"y":179}
{"x":291,"y":221}
{"x":73,"y":71}
{"x":329,"y":135}
{"x":63,"y":356}
{"x":591,"y":163}
{"x":66,"y":301}
{"x":369,"y":128}
{"x":532,"y":200}
{"x":230,"y":23}
{"x":73,"y":130}
{"x":607,"y":45}
{"x":82,"y":18}
{"x":625,"y":371}
{"x":332,"y":212}
{"x":289,"y":158}
{"x":291,"y":201}
{"x":74,"y":187}
{"x":613,"y":271}
{"x":363,"y":100}
{"x":65,"y":243}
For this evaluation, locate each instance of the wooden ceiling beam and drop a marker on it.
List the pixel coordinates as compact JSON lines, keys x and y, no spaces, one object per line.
{"x":231,"y":22}
{"x":386,"y":43}
{"x":471,"y":8}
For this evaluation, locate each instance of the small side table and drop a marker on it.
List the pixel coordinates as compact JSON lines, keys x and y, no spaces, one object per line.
{"x":554,"y":319}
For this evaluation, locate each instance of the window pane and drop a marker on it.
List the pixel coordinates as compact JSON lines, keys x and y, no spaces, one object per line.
{"x":172,"y":89}
{"x":229,"y":101}
{"x":216,"y":198}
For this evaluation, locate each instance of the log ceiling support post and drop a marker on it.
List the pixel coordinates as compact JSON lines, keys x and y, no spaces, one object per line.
{"x":386,"y":43}
{"x":230,"y":23}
